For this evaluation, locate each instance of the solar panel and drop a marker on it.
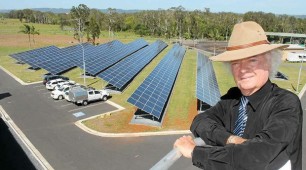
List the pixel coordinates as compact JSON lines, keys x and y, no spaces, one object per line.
{"x":60,"y":61}
{"x":152,"y":95}
{"x":28,"y":56}
{"x":112,"y":56}
{"x":207,"y":86}
{"x":121,"y":73}
{"x":56,"y":60}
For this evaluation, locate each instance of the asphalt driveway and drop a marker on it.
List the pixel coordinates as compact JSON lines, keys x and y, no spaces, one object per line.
{"x":49,"y":125}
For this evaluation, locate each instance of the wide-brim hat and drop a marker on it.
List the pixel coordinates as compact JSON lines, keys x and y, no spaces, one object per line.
{"x":248,"y":39}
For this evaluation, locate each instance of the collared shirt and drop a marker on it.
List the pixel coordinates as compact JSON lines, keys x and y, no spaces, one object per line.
{"x":273,"y":130}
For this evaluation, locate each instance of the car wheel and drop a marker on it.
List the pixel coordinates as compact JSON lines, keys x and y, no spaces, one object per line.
{"x":85,"y":103}
{"x":104,"y":98}
{"x":60,"y":97}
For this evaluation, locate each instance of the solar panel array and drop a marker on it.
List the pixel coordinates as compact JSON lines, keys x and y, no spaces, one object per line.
{"x":207,"y":86}
{"x":56,"y":60}
{"x":100,"y":52}
{"x":109,"y":57}
{"x":25,"y":56}
{"x":151,"y":96}
{"x":59,"y":61}
{"x":121,"y":73}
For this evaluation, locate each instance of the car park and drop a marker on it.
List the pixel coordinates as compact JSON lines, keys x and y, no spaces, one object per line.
{"x":52,"y":83}
{"x":53,"y":77}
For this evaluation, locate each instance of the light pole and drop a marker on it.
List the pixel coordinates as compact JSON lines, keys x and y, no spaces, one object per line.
{"x":83,"y":57}
{"x":83,"y":51}
{"x":80,"y":43}
{"x":297,"y":87}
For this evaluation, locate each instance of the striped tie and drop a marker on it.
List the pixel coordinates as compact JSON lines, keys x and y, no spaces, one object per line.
{"x":242,"y":117}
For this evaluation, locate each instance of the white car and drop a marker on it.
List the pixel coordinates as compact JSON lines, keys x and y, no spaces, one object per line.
{"x":66,"y":96}
{"x":58,"y":94}
{"x":52,"y":83}
{"x":60,"y":85}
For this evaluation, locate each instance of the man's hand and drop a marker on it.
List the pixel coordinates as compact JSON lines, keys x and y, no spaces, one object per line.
{"x":185,"y":145}
{"x":235,"y":140}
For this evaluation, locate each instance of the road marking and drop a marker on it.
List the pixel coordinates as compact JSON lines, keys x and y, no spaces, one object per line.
{"x":66,"y":104}
{"x":39,"y":86}
{"x":56,"y":101}
{"x":79,"y":114}
{"x":84,"y":107}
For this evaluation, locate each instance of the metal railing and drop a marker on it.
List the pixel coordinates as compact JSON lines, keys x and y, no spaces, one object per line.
{"x":168,"y":160}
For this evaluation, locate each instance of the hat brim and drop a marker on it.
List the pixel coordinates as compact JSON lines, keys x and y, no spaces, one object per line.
{"x":247,"y":52}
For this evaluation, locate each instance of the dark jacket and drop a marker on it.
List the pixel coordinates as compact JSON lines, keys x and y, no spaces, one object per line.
{"x":273,"y":130}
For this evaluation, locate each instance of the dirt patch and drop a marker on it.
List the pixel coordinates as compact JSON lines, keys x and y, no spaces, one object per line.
{"x":119,"y":122}
{"x":22,"y":40}
{"x":216,"y":47}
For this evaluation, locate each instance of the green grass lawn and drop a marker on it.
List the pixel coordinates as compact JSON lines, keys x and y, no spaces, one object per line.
{"x":13,"y":26}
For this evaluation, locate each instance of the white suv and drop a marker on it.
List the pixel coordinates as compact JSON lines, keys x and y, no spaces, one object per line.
{"x":52,"y":83}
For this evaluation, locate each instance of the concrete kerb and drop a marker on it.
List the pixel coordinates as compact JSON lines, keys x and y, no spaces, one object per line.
{"x":302,"y":91}
{"x":138,"y":134}
{"x":44,"y":164}
{"x":18,"y":79}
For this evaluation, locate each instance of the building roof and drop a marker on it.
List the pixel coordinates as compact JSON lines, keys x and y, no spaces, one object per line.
{"x":281,"y":34}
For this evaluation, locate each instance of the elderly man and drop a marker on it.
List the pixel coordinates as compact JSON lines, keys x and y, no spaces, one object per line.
{"x":256,"y":125}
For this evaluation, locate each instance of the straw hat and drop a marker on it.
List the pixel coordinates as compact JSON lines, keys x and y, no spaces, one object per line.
{"x":248,"y":39}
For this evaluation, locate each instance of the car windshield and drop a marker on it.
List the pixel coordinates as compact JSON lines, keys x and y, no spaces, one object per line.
{"x":60,"y":89}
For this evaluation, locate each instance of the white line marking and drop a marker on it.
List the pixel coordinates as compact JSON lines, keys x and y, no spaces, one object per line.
{"x":84,"y":107}
{"x":39,"y":86}
{"x":35,"y":153}
{"x":66,"y":104}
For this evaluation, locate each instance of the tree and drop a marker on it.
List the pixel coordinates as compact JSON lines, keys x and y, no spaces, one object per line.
{"x":80,"y":16}
{"x":111,"y":20}
{"x":33,"y":31}
{"x":93,"y":29}
{"x":26,"y":29}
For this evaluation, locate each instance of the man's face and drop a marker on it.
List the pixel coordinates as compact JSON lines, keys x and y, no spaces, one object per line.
{"x":250,"y":74}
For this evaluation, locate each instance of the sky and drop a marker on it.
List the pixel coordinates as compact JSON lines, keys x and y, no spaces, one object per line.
{"x":288,"y":7}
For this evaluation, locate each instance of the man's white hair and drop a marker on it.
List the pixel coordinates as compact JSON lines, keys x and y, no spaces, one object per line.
{"x":273,"y":58}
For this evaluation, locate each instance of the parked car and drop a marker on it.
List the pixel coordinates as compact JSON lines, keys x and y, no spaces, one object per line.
{"x":66,"y":94}
{"x":85,"y":96}
{"x":58,"y":94}
{"x":68,"y":83}
{"x":53,"y":77}
{"x":52,"y":83}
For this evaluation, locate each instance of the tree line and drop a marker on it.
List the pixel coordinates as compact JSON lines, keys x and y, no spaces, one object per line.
{"x":175,"y":22}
